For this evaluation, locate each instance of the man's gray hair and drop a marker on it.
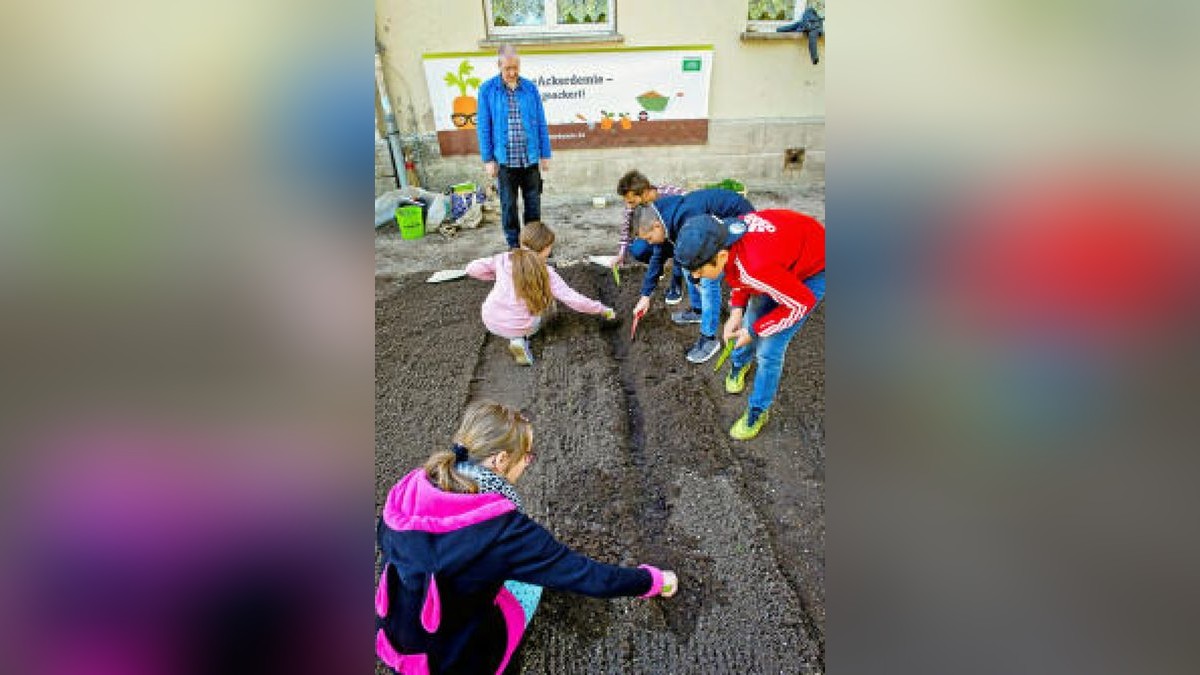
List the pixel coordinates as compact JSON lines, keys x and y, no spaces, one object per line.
{"x":645,"y":217}
{"x":506,"y":51}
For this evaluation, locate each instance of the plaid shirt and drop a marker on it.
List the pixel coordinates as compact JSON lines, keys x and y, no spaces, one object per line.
{"x":626,"y":233}
{"x":517,"y":148}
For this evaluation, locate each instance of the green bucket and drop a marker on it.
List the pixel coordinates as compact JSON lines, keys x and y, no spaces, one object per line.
{"x":408,"y":219}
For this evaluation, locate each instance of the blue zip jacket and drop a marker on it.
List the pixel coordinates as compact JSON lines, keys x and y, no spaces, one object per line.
{"x":441,"y":606}
{"x":491,"y":124}
{"x":675,"y":211}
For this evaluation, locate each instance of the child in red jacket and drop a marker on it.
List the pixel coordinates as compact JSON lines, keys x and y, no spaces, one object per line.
{"x":774,"y":262}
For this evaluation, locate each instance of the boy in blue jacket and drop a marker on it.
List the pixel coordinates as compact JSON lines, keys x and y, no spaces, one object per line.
{"x":635,"y":190}
{"x":657,"y":227}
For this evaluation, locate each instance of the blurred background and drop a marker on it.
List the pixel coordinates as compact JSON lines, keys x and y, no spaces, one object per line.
{"x":1014,"y":234}
{"x":186,"y":338}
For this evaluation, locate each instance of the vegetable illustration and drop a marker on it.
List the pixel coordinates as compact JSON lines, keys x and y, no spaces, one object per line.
{"x":464,"y":107}
{"x":606,"y":123}
{"x":654,"y":101}
{"x":626,"y":123}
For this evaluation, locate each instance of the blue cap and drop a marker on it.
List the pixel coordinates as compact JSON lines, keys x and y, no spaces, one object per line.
{"x":699,"y":240}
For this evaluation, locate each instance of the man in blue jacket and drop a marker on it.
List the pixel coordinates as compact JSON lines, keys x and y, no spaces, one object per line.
{"x":513,"y":141}
{"x":657,"y":227}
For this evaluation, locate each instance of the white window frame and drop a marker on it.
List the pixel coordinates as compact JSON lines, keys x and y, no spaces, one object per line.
{"x":551,"y":26}
{"x":759,"y":26}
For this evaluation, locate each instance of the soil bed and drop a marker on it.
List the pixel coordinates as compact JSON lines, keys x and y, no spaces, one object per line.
{"x":634,"y":465}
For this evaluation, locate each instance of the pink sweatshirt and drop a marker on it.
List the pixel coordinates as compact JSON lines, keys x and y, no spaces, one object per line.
{"x":504,"y":313}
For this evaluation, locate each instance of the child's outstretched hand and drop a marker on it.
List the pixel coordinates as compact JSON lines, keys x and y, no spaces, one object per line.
{"x":743,"y":337}
{"x":735,"y":330}
{"x":670,"y":584}
{"x":608,"y":319}
{"x":642,"y":306}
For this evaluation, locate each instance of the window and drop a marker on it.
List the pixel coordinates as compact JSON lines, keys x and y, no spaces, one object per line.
{"x":767,"y":15}
{"x":541,"y":17}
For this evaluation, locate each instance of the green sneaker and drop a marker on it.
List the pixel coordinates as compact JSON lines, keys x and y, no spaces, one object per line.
{"x":735,"y":379}
{"x":745,"y":428}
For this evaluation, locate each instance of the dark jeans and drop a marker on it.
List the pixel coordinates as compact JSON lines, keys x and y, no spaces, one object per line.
{"x":529,"y":181}
{"x":811,"y":24}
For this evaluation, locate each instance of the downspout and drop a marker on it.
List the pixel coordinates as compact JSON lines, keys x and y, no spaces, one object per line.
{"x":389,"y":119}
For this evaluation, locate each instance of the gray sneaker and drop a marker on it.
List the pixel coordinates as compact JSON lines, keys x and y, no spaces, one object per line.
{"x":704,"y":349}
{"x":685,"y":317}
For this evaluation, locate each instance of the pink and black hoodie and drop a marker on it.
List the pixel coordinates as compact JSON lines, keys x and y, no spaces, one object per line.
{"x":441,"y":606}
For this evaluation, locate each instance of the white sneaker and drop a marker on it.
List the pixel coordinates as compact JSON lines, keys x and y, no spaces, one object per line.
{"x":519,"y":348}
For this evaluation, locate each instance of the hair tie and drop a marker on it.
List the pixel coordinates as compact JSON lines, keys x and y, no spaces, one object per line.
{"x":460,"y":452}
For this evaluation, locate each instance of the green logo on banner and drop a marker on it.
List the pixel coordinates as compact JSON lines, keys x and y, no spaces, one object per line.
{"x":691,"y":65}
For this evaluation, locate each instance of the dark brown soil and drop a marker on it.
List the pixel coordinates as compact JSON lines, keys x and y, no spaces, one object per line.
{"x":634,"y":465}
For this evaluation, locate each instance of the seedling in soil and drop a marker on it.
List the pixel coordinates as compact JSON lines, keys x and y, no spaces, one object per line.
{"x":609,"y":261}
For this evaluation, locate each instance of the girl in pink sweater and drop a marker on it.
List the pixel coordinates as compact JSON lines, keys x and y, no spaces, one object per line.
{"x":525,"y":290}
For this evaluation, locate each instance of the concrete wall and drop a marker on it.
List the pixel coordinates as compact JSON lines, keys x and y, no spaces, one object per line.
{"x":766,"y":96}
{"x":385,"y":173}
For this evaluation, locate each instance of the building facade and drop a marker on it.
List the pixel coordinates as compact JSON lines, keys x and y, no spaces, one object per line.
{"x":687,"y":91}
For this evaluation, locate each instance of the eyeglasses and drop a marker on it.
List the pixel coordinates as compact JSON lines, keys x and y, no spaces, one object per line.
{"x":461,"y":120}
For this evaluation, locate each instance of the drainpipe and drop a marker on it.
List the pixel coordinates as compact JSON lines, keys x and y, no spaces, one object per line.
{"x":389,"y":118}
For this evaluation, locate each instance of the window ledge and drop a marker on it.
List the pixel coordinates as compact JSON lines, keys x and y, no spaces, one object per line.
{"x":552,"y":39}
{"x":772,"y":35}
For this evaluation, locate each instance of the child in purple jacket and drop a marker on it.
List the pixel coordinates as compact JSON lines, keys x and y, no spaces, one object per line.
{"x":453,"y":532}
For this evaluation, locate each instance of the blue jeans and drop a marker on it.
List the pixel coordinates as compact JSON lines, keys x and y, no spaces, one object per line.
{"x":706,"y":298}
{"x":676,"y":275}
{"x":529,"y":181}
{"x":771,"y":350}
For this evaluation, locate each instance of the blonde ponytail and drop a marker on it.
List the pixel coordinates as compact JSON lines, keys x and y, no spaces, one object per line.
{"x":487,"y":428}
{"x":440,"y":469}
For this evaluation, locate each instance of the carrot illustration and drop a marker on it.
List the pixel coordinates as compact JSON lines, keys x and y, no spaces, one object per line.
{"x":464,"y":107}
{"x":626,"y":123}
{"x":606,"y":123}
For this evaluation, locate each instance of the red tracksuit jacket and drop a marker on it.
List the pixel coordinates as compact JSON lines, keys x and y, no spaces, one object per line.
{"x":780,"y":249}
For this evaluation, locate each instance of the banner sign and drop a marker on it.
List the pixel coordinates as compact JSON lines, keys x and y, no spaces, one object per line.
{"x":596,"y":99}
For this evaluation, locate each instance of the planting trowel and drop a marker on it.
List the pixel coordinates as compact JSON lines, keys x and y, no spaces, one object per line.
{"x":724,"y":354}
{"x":607,"y":261}
{"x":633,"y":330}
{"x":446,"y":275}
